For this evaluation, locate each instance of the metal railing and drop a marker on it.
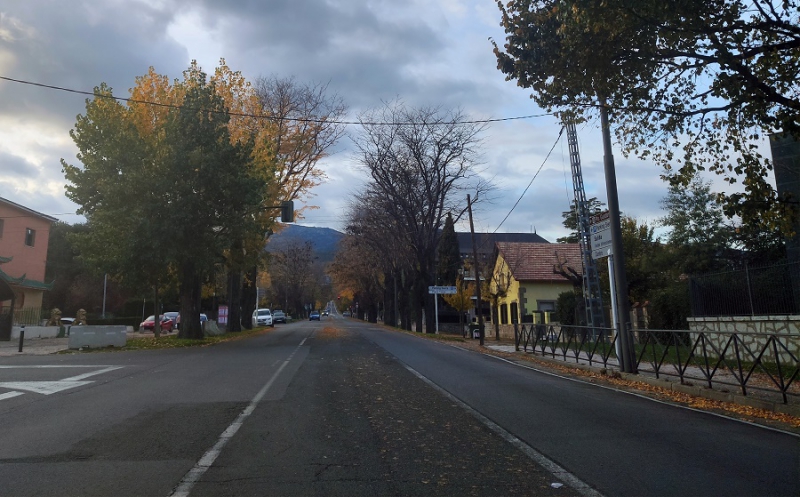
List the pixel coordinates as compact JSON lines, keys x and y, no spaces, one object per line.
{"x":766,"y":362}
{"x":748,"y":291}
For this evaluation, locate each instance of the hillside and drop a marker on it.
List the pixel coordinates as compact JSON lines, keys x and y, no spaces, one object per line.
{"x":324,"y":240}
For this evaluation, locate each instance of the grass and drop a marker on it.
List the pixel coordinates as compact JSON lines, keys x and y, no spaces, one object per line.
{"x":173,"y":342}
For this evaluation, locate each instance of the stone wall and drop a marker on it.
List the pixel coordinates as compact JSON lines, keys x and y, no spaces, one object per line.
{"x":753,"y":331}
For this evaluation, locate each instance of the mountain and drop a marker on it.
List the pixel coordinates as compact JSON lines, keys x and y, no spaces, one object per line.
{"x":324,"y":240}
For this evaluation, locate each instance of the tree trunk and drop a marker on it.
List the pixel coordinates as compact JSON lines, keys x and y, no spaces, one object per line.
{"x":249,"y":298}
{"x":234,"y":301}
{"x":156,"y":315}
{"x":190,"y":304}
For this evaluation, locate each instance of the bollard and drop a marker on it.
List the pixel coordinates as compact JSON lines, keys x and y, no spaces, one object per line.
{"x":21,"y":337}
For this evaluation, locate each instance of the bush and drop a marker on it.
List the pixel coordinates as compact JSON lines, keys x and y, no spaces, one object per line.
{"x":566,"y":307}
{"x":670,"y":307}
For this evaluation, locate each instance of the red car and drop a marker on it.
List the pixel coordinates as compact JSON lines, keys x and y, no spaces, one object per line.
{"x":149,"y":323}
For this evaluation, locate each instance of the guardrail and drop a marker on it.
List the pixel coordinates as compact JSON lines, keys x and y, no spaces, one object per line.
{"x":747,"y":361}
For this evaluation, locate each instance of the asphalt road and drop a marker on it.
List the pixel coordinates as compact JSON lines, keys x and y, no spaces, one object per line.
{"x":341,"y":407}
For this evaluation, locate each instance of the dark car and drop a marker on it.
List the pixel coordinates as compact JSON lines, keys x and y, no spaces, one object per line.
{"x":173,"y":316}
{"x":149,"y":324}
{"x":314,"y":316}
{"x":278,"y":316}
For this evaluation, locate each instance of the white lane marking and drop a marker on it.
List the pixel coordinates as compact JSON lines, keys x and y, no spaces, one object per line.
{"x":51,"y":387}
{"x":193,"y":475}
{"x":92,"y":373}
{"x":57,"y":366}
{"x":43,"y":387}
{"x":555,"y":469}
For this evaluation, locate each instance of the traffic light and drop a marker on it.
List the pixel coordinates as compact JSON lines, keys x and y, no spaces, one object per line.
{"x":287,"y":211}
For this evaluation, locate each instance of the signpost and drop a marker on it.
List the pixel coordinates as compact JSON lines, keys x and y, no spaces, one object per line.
{"x":600,"y":235}
{"x":439,"y":290}
{"x":600,"y":232}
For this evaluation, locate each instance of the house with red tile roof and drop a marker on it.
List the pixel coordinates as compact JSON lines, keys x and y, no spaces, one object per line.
{"x":530,"y":277}
{"x":24,"y":237}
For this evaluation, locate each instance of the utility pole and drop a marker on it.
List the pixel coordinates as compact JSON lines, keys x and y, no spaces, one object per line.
{"x":627,"y":362}
{"x":477,"y":273}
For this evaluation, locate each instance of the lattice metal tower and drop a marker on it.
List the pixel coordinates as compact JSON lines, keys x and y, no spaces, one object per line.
{"x":595,"y":315}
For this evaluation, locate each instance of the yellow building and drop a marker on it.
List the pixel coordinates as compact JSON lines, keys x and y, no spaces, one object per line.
{"x":527,"y":279}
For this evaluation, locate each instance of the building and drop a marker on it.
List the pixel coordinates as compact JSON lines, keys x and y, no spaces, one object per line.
{"x":24,"y":237}
{"x":528,"y":278}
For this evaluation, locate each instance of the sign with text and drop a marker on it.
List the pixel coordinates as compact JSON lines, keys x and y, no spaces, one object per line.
{"x":442,"y":289}
{"x":600,"y":235}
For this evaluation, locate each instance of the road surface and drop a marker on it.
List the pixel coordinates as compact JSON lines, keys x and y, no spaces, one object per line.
{"x":342,"y":407}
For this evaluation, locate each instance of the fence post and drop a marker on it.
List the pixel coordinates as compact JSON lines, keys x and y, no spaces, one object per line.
{"x":749,"y":289}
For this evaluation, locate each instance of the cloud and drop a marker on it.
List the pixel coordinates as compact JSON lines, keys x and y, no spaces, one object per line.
{"x":426,"y":53}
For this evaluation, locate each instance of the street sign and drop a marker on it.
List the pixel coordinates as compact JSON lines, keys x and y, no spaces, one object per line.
{"x":442,"y":289}
{"x":600,"y":235}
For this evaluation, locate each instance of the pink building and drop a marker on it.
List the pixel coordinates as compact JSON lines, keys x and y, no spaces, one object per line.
{"x":24,"y":236}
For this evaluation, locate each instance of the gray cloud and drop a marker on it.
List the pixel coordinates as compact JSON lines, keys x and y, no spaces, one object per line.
{"x":366,"y":51}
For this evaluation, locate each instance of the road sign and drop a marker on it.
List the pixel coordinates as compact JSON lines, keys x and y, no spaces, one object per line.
{"x":600,"y":235}
{"x":442,"y":289}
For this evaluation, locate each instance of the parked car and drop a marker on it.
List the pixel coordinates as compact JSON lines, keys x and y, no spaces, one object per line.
{"x":278,"y":316}
{"x":67,"y":321}
{"x":346,"y":314}
{"x":314,"y":316}
{"x":149,"y":323}
{"x":262,"y":317}
{"x":203,"y":319}
{"x":173,"y":316}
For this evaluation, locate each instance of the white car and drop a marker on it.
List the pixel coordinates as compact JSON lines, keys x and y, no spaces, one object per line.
{"x":262,"y":317}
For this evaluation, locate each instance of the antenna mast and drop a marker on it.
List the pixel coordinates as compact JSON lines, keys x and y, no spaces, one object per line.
{"x":595,"y":316}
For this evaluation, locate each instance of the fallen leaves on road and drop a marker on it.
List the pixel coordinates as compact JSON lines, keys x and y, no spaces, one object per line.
{"x":330,"y":332}
{"x":745,"y":413}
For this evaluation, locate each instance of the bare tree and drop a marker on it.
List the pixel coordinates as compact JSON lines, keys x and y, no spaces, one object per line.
{"x":373,"y":258}
{"x":306,"y":122}
{"x":421,"y":162}
{"x":293,"y":268}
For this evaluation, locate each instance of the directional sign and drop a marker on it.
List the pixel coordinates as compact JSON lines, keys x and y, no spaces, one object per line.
{"x":442,"y":289}
{"x":600,"y":235}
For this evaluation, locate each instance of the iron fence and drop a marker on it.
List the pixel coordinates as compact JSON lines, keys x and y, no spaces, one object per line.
{"x":750,"y":291}
{"x":764,"y":362}
{"x":30,"y":316}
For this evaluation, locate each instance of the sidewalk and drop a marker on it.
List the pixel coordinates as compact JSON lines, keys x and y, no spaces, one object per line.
{"x":33,"y":346}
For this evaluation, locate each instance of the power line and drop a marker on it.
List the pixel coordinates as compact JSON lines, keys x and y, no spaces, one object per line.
{"x":255,"y":116}
{"x":558,"y":138}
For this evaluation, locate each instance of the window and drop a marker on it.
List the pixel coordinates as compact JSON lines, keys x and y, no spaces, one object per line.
{"x":546,"y":305}
{"x":30,"y":237}
{"x":503,"y":314}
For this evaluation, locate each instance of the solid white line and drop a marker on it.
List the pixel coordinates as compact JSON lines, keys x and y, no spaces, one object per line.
{"x":556,"y":470}
{"x":193,"y":476}
{"x":10,"y":395}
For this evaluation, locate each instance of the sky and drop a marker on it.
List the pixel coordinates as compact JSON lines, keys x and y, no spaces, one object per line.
{"x":423,"y":52}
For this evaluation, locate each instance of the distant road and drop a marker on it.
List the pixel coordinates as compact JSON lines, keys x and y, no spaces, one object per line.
{"x":342,"y":407}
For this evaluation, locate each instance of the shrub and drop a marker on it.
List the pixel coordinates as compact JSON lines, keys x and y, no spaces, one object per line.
{"x":566,"y":307}
{"x":670,"y":307}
